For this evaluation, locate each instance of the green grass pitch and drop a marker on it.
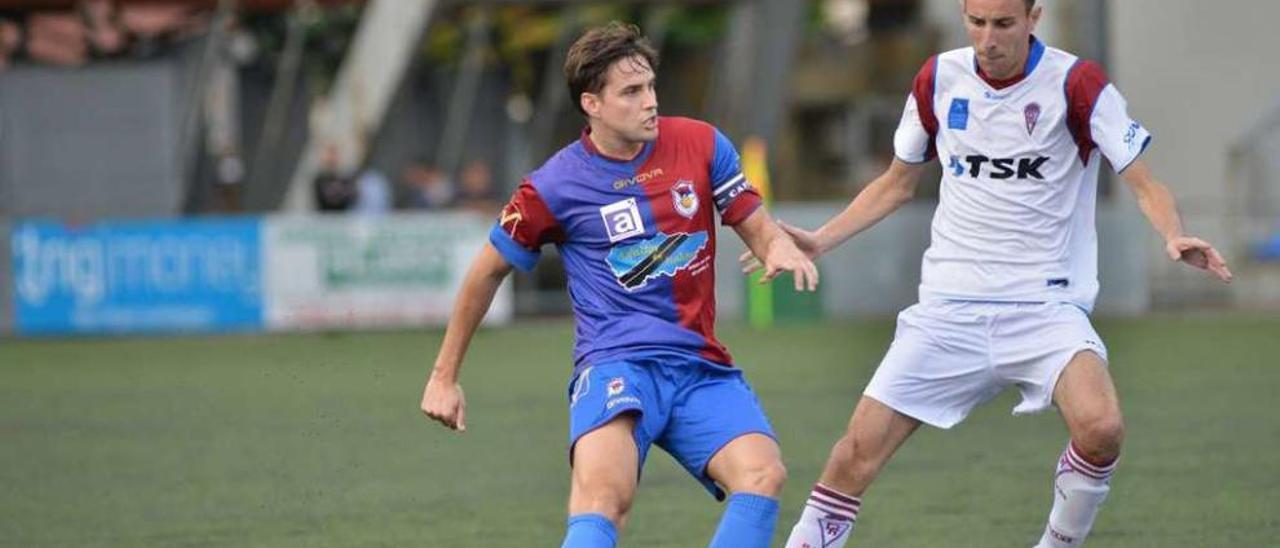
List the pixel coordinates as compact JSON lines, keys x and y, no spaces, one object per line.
{"x":316,"y":440}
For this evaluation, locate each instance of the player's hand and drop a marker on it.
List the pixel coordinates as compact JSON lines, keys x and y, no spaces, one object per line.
{"x":1200,"y":254}
{"x":443,"y":402}
{"x":805,"y":240}
{"x":784,"y":256}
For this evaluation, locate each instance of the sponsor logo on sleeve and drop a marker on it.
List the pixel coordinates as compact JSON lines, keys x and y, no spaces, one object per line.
{"x":510,"y":218}
{"x":1131,"y":136}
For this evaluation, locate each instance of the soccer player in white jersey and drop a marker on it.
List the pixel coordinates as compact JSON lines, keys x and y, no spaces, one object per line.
{"x":1011,"y":271}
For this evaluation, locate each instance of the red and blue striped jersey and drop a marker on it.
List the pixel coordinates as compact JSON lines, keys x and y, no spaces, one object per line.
{"x":637,"y":238}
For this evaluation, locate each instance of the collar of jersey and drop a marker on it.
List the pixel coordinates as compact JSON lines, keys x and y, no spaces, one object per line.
{"x":613,"y":164}
{"x":1033,"y":60}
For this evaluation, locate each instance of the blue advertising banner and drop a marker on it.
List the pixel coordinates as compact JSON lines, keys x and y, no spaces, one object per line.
{"x":137,"y":276}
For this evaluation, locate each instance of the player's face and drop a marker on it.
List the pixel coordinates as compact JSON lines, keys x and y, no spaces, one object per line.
{"x":1000,"y":31}
{"x":628,"y":104}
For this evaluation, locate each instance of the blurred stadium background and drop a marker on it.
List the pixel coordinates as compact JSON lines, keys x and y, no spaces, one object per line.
{"x":230,"y":232}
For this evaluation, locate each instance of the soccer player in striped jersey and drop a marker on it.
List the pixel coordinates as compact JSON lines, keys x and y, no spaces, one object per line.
{"x":631,"y":206}
{"x":1011,"y":271}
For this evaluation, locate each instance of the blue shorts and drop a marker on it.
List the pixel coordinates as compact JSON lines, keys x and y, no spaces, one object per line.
{"x":690,"y":407}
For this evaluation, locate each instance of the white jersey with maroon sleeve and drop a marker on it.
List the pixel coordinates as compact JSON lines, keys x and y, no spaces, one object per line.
{"x":1015,"y":219}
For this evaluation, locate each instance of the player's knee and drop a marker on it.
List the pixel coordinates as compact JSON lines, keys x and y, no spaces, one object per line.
{"x":610,"y":504}
{"x":601,"y":495}
{"x":766,"y":478}
{"x":1102,"y":437}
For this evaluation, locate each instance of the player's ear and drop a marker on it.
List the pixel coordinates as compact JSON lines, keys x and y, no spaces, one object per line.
{"x":590,"y":103}
{"x":1035,"y":16}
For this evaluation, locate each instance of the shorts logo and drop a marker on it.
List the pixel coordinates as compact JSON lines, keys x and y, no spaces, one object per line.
{"x":623,"y":400}
{"x":616,"y":386}
{"x":833,"y":529}
{"x":581,"y":387}
{"x":958,"y":118}
{"x":1032,"y":115}
{"x":685,"y":198}
{"x":622,"y":220}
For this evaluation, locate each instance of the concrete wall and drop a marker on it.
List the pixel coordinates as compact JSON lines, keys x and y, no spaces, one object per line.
{"x":1197,"y":74}
{"x":877,"y":273}
{"x":82,"y":144}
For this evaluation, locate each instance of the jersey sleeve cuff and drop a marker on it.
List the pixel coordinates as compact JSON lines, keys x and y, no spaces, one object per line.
{"x":1145,"y":143}
{"x":516,"y":254}
{"x":919,"y":162}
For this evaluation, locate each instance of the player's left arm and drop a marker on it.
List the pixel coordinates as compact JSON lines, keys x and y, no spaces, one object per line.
{"x":766,"y":239}
{"x":1161,"y":209}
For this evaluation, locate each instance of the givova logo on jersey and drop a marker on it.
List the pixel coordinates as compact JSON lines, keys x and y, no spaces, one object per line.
{"x":997,"y":168}
{"x":662,"y":255}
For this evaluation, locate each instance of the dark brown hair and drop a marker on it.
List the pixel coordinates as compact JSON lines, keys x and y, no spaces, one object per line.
{"x":1030,"y":4}
{"x":598,"y":49}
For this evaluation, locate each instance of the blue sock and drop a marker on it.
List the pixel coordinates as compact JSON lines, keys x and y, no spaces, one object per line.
{"x":747,"y":522}
{"x":590,"y":531}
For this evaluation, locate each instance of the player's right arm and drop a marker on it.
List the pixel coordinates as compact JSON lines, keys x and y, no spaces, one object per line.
{"x":882,"y":196}
{"x":442,"y":398}
{"x":525,"y":225}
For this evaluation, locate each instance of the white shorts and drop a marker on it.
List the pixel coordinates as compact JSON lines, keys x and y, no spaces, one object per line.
{"x":950,"y":356}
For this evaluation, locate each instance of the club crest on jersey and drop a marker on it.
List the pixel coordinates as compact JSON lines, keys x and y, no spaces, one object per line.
{"x":685,"y":198}
{"x":616,"y":386}
{"x":1032,"y":116}
{"x":622,"y":220}
{"x":958,"y":117}
{"x":833,"y":529}
{"x":662,"y":255}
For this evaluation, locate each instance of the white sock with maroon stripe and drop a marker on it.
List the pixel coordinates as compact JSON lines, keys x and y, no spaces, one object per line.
{"x":827,"y":520}
{"x":1079,"y":487}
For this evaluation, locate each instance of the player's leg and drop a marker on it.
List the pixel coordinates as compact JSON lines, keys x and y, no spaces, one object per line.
{"x":613,"y":408}
{"x":874,"y":434}
{"x":750,"y":468}
{"x":719,"y":432}
{"x":935,"y":372}
{"x":1054,"y":356}
{"x":1087,"y":399}
{"x":606,"y":466}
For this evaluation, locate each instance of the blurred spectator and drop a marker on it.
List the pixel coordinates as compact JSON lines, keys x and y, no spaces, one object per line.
{"x":477,"y":193}
{"x":428,"y":187}
{"x":11,"y":40}
{"x":373,"y":192}
{"x":95,"y":29}
{"x":153,"y":26}
{"x":56,"y":38}
{"x":334,"y":188}
{"x":105,"y":35}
